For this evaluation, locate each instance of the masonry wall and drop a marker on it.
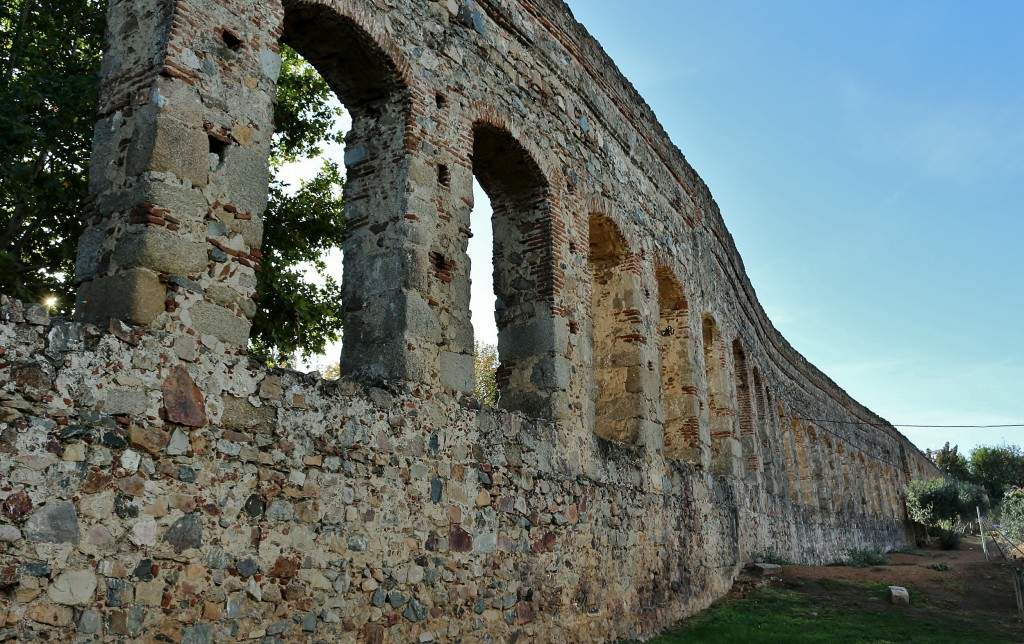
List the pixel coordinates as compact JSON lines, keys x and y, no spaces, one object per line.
{"x":656,"y":431}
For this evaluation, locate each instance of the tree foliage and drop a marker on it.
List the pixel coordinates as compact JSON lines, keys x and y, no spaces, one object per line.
{"x":994,"y":467}
{"x":49,"y":60}
{"x":997,"y":468}
{"x":951,"y":462}
{"x":1011,"y":522}
{"x":944,"y":503}
{"x":301,"y":226}
{"x":50,"y":54}
{"x":485,"y":368}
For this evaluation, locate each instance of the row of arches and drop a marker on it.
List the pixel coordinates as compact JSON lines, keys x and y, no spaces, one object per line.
{"x":676,"y":380}
{"x":707,"y":381}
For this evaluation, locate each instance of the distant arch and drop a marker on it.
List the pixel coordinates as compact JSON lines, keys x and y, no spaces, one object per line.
{"x":725,"y":451}
{"x":683,"y":439}
{"x":616,"y":333}
{"x":521,"y":197}
{"x":747,"y":414}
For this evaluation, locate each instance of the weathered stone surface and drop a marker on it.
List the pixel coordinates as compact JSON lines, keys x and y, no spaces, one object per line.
{"x":73,"y":588}
{"x":183,"y":402}
{"x":185,"y":533}
{"x":460,"y":540}
{"x":90,"y":622}
{"x":247,"y":567}
{"x":653,"y":443}
{"x":160,"y":251}
{"x":31,"y":376}
{"x":415,"y":611}
{"x":898,"y":595}
{"x":55,"y":522}
{"x":46,"y":613}
{"x":239,"y":413}
{"x":17,"y":506}
{"x":220,"y":322}
{"x":119,"y":592}
{"x":134,"y":295}
{"x":200,"y":634}
{"x":8,"y":533}
{"x":150,"y":439}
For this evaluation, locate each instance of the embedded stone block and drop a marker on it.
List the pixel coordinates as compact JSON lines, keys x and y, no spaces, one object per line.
{"x":222,"y":323}
{"x":135,"y":296}
{"x":73,"y":588}
{"x":160,"y":251}
{"x":457,"y":371}
{"x":247,"y":172}
{"x":551,"y":372}
{"x":90,"y":252}
{"x":164,"y":144}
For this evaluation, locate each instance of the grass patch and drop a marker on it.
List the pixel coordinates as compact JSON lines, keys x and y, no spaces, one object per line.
{"x":771,"y":615}
{"x":941,"y":566}
{"x":865,"y":557}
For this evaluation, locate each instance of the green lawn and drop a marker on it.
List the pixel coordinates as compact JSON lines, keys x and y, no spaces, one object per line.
{"x":850,"y":613}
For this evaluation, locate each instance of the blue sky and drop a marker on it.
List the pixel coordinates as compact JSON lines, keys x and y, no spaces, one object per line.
{"x":868,"y":159}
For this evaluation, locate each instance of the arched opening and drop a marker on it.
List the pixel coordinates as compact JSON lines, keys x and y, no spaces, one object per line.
{"x":789,"y":451}
{"x":768,"y":441}
{"x":747,"y":419}
{"x":725,"y":450}
{"x":616,"y":361}
{"x":679,"y":391}
{"x":814,"y":454}
{"x":529,"y":371}
{"x":862,"y":488}
{"x":803,"y":459}
{"x":366,"y":82}
{"x":480,"y":251}
{"x":832,"y":473}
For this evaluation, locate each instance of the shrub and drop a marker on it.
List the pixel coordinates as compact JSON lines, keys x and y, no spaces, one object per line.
{"x":1011,"y":521}
{"x":864,"y":557}
{"x":950,"y":539}
{"x":944,"y":503}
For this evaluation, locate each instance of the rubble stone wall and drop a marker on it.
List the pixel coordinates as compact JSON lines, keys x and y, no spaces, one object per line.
{"x":655,"y":432}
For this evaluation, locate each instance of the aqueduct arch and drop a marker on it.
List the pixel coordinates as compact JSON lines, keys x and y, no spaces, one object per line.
{"x":656,"y":431}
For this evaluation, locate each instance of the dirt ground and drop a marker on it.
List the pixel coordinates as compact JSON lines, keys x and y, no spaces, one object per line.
{"x":959,"y":581}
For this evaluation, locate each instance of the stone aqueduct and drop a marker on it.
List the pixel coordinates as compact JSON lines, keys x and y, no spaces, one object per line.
{"x":656,"y":433}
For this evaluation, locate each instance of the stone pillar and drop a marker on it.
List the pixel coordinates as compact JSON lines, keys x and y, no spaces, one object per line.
{"x":750,"y":446}
{"x":392,"y":331}
{"x":726,"y":455}
{"x":179,"y":166}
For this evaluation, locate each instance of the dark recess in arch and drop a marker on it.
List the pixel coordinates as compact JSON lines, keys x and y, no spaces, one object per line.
{"x":352,"y":64}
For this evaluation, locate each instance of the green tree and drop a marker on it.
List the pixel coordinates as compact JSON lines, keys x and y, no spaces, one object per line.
{"x":485,"y":369}
{"x":50,"y":54}
{"x":951,"y":462}
{"x":1011,"y":510}
{"x":997,"y":468}
{"x":944,"y":503}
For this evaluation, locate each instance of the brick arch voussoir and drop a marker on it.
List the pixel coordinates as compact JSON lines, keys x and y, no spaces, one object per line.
{"x":371,"y":23}
{"x":606,"y":209}
{"x":481,"y":113}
